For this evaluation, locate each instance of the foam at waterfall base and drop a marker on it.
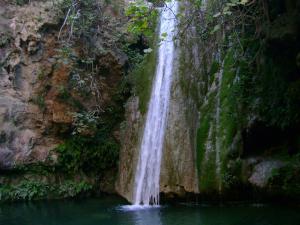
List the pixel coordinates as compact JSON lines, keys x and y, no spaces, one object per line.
{"x":127,"y":208}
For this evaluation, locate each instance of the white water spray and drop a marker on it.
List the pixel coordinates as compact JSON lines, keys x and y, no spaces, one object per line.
{"x":146,"y":190}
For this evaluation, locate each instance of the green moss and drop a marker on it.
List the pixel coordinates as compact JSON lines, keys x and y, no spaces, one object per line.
{"x":142,"y":78}
{"x":229,"y":117}
{"x":207,"y":166}
{"x":214,"y":68}
{"x":205,"y":99}
{"x":228,"y":120}
{"x":222,"y":130}
{"x":208,"y":179}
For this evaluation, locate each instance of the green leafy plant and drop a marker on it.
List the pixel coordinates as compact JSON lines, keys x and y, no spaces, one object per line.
{"x":71,"y":188}
{"x":33,"y":189}
{"x":142,"y":18}
{"x":83,"y":122}
{"x":88,"y":154}
{"x":82,"y":17}
{"x":26,"y":190}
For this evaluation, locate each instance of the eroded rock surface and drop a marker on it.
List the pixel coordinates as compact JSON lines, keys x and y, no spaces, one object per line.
{"x":24,"y":55}
{"x":41,"y":88}
{"x":262,"y":172}
{"x":131,"y":133}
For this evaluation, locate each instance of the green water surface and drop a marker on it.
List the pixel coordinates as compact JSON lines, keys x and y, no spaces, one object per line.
{"x":109,"y":211}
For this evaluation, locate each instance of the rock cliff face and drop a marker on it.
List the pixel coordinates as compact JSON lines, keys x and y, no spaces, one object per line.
{"x":131,"y":131}
{"x":47,"y":84}
{"x":242,"y":145}
{"x":26,"y":54}
{"x":178,"y":169}
{"x":224,"y":138}
{"x":35,"y":79}
{"x":233,"y":123}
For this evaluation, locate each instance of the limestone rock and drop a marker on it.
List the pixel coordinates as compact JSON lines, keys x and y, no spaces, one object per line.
{"x":263,"y":171}
{"x":130,"y":139}
{"x":178,"y":169}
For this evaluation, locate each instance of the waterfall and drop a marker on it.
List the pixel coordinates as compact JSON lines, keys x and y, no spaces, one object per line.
{"x":146,"y":190}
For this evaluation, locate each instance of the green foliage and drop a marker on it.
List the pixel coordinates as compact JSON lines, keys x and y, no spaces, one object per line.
{"x":71,"y":188}
{"x":86,"y":121}
{"x":92,"y":148}
{"x":26,"y":190}
{"x":34,"y":189}
{"x":142,"y":18}
{"x":84,"y":17}
{"x":38,"y":168}
{"x":29,"y":190}
{"x":228,"y":6}
{"x":265,"y":77}
{"x":89,"y":154}
{"x":271,"y":95}
{"x":142,"y":67}
{"x":141,"y":78}
{"x":84,"y":80}
{"x":134,"y":56}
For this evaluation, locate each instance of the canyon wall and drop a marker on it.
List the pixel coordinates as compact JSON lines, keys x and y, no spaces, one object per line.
{"x":59,"y":85}
{"x":231,"y":131}
{"x":233,"y":122}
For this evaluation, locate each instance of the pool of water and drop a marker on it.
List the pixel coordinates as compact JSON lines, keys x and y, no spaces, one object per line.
{"x":110,"y":211}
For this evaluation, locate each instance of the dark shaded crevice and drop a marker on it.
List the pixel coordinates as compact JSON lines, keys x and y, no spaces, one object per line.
{"x":261,"y":139}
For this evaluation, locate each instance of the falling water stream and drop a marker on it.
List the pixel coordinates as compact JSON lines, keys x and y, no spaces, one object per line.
{"x":146,"y":190}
